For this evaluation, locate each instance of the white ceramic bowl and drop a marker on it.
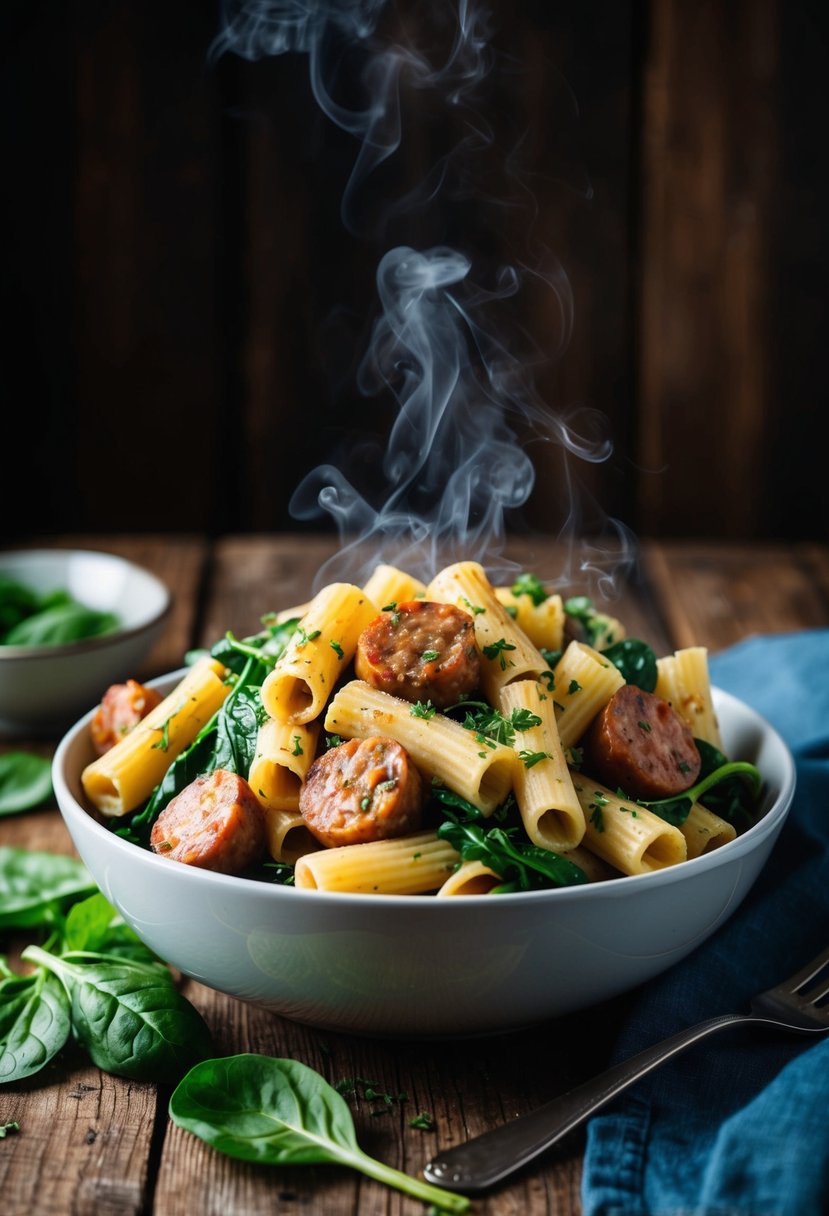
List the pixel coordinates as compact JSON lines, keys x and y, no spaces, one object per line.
{"x":415,"y":966}
{"x":44,"y":688}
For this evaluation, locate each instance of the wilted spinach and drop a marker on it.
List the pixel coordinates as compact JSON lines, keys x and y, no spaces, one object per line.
{"x":502,"y":846}
{"x":280,"y":1112}
{"x":730,"y":790}
{"x":636,"y":661}
{"x":228,"y":740}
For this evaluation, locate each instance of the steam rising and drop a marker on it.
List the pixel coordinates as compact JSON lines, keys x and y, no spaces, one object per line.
{"x":455,"y":462}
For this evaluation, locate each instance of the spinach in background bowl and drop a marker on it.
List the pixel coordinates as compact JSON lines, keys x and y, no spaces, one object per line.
{"x":30,"y":618}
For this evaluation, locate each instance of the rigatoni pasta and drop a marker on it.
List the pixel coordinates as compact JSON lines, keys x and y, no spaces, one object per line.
{"x":125,"y":776}
{"x":479,"y":778}
{"x":316,"y":656}
{"x":550,"y":810}
{"x":507,"y":651}
{"x":409,"y":865}
{"x":479,"y":772}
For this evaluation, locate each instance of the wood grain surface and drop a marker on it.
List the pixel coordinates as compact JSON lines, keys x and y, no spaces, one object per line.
{"x":90,"y":1144}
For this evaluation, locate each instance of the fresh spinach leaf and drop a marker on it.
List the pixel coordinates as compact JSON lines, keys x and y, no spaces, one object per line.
{"x":25,"y":781}
{"x":34,"y":1023}
{"x":129,"y":1017}
{"x":35,"y":886}
{"x":280,"y":1112}
{"x":93,"y":924}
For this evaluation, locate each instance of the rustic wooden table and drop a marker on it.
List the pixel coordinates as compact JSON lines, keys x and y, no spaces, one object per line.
{"x":91,"y":1143}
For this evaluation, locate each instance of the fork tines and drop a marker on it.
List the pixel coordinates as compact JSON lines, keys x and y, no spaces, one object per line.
{"x":815,"y":970}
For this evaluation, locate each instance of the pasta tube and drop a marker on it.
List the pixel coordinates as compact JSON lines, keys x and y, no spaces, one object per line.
{"x":284,"y":752}
{"x":305,"y":674}
{"x":542,"y":623}
{"x":543,"y":787}
{"x":683,"y":680}
{"x":596,"y":869}
{"x":388,"y":585}
{"x":704,"y":831}
{"x":584,"y":682}
{"x":507,"y":652}
{"x":288,"y":836}
{"x":482,"y":773}
{"x":626,"y":835}
{"x":404,"y":865}
{"x":126,"y":775}
{"x":470,"y":878}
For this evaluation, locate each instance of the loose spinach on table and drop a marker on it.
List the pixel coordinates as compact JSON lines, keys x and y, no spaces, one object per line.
{"x":94,"y":980}
{"x":25,"y":781}
{"x":280,"y":1112}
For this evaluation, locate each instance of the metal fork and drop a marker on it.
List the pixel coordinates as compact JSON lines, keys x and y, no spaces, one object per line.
{"x":799,"y":1004}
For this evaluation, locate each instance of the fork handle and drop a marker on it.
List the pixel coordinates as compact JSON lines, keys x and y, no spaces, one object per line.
{"x":480,"y":1163}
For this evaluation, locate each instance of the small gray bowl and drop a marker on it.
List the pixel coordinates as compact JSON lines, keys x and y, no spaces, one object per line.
{"x":44,"y":688}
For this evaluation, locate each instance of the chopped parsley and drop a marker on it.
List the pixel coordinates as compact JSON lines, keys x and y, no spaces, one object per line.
{"x":529,"y":584}
{"x":532,"y":758}
{"x":596,"y":810}
{"x":423,"y":709}
{"x":297,"y":741}
{"x":429,"y":656}
{"x":392,"y":608}
{"x":337,"y":648}
{"x":495,"y":650}
{"x":306,"y":637}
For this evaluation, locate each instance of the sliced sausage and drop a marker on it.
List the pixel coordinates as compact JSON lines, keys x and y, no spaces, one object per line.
{"x":422,"y":651}
{"x":639,"y":744}
{"x":215,"y":823}
{"x":362,"y":790}
{"x":122,"y":707}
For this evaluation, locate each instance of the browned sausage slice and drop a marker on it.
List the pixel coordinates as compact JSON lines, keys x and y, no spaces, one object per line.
{"x":122,"y":707}
{"x":362,"y":790}
{"x":422,"y":651}
{"x":215,"y":823}
{"x":639,"y":744}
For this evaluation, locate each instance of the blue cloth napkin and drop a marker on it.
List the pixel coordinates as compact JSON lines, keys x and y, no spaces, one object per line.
{"x":738,"y":1125}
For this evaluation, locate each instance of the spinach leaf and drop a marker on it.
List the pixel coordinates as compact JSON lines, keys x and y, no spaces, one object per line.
{"x":17,"y":601}
{"x":128,"y":1016}
{"x":635,"y":660}
{"x":25,"y":781}
{"x":34,"y":1023}
{"x":60,"y":624}
{"x":93,"y":924}
{"x":521,"y":865}
{"x":280,"y":1112}
{"x":237,"y":728}
{"x":35,"y":886}
{"x":748,"y":776}
{"x":732,"y":797}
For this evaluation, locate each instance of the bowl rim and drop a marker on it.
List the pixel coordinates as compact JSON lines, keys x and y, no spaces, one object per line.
{"x":88,"y":645}
{"x":623,"y":887}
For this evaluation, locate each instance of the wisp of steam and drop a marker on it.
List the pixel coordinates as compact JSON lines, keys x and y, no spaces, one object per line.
{"x":455,"y":462}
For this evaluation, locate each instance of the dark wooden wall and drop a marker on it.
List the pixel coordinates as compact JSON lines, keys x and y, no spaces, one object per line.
{"x":185,"y":310}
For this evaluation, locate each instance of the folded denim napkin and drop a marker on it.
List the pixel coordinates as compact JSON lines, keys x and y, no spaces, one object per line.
{"x":739,"y":1124}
